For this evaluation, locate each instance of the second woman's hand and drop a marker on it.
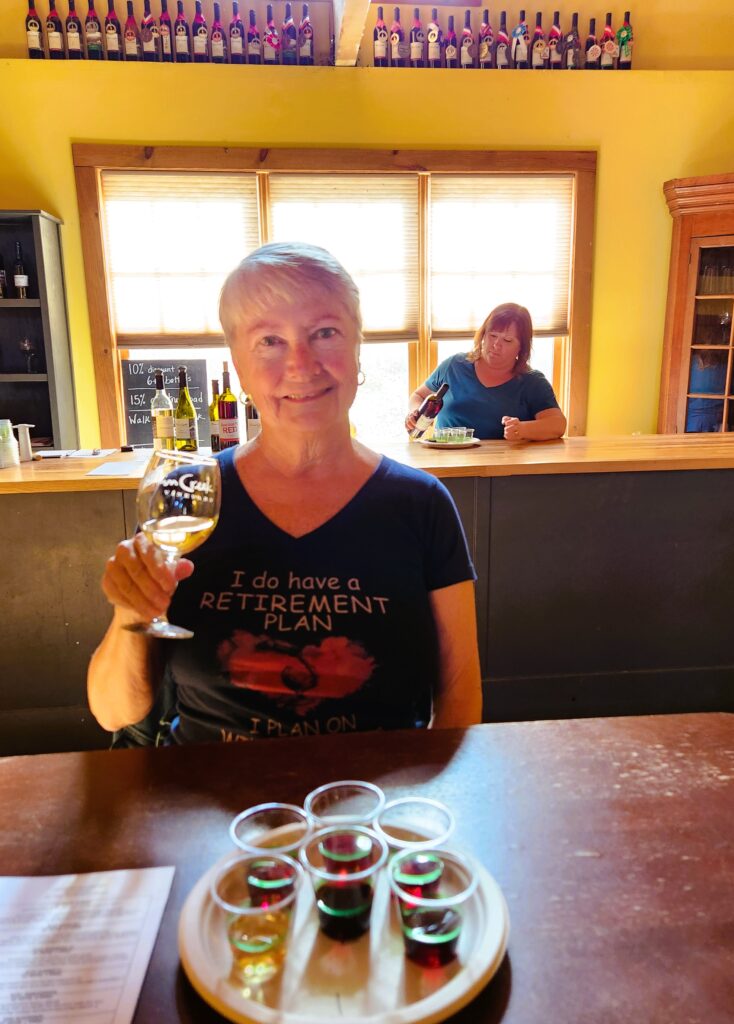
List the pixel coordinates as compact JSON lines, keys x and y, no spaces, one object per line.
{"x":138,"y":580}
{"x":513,"y":428}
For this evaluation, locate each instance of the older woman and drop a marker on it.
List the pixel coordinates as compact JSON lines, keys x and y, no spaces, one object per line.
{"x":492,"y":388}
{"x":336,"y":592}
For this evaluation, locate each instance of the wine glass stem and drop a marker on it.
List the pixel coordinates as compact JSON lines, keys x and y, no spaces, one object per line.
{"x":171,"y":559}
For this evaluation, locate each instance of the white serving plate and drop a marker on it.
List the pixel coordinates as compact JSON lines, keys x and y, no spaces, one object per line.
{"x":367,"y":981}
{"x":430,"y":443}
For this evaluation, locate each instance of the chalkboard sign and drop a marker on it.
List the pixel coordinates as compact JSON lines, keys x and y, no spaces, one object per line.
{"x":138,"y":385}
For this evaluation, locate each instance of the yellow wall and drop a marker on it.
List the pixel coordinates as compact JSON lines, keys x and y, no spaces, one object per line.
{"x":646,"y":126}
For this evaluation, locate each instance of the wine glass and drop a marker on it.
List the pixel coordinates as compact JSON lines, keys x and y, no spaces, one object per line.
{"x":26,"y":347}
{"x":178,"y":507}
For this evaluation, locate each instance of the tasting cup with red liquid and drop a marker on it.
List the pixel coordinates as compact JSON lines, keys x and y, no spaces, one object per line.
{"x":414,"y":823}
{"x":343,"y":863}
{"x":280,"y":828}
{"x":432,"y":905}
{"x":347,"y":802}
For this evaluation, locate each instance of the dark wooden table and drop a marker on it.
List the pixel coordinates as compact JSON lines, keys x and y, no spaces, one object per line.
{"x":612,"y":839}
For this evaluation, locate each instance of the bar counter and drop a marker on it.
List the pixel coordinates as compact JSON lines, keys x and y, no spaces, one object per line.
{"x":605,"y":578}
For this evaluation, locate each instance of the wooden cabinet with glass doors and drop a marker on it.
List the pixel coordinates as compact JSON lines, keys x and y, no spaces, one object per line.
{"x":697,"y":385}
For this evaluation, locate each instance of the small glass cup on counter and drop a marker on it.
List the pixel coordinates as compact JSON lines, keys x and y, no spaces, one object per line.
{"x":257,"y":893}
{"x":280,"y":828}
{"x":414,"y":823}
{"x":347,"y":802}
{"x":432,"y":908}
{"x":343,"y":863}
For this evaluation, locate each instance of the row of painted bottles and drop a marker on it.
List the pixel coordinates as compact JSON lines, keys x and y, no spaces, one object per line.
{"x":169,"y":39}
{"x":487,"y":48}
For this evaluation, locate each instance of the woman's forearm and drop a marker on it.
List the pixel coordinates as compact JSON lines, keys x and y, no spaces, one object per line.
{"x":122,"y":676}
{"x":546,"y":428}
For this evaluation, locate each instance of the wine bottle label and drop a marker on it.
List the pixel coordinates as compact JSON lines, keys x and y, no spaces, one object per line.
{"x":395,"y":46}
{"x":540,"y":53}
{"x":253,"y":47}
{"x":502,"y":58}
{"x":34,"y":38}
{"x":20,"y":280}
{"x":55,"y":40}
{"x":594,"y":52}
{"x":467,"y":52}
{"x":381,"y":45}
{"x":200,"y":39}
{"x":519,"y":48}
{"x":165,"y":39}
{"x":485,"y":52}
{"x":306,"y":49}
{"x":162,"y":424}
{"x":182,"y":42}
{"x":235,"y":43}
{"x":73,"y":40}
{"x":450,"y":52}
{"x":149,"y":36}
{"x":214,"y":428}
{"x":186,"y":428}
{"x":229,"y":430}
{"x":555,"y":51}
{"x":416,"y":49}
{"x":571,"y":61}
{"x":113,"y":42}
{"x":131,"y":45}
{"x":217,"y":46}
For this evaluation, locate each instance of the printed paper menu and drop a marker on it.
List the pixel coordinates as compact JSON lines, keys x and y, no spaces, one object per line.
{"x":75,"y":948}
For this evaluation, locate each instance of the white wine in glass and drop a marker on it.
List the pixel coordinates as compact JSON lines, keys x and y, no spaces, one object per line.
{"x":178,"y":507}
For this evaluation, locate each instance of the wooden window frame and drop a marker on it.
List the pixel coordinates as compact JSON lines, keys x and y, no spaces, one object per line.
{"x":90,"y":160}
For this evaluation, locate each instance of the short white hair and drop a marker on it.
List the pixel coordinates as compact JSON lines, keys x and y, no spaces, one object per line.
{"x":282,"y":270}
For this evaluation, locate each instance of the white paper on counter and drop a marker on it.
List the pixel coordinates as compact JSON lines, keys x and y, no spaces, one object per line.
{"x":131,"y":468}
{"x":75,"y":948}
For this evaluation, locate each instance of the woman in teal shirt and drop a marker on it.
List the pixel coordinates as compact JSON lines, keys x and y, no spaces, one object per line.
{"x":492,"y":388}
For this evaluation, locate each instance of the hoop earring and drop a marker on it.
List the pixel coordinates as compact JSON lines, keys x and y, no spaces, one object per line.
{"x":361,"y":373}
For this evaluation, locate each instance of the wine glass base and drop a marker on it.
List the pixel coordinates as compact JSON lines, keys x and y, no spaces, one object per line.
{"x":160,"y":630}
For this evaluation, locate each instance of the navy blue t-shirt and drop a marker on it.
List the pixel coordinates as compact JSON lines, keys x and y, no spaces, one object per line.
{"x":468,"y":403}
{"x":329,"y":632}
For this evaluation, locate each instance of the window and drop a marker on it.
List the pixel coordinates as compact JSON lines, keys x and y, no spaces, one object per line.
{"x":432,"y":243}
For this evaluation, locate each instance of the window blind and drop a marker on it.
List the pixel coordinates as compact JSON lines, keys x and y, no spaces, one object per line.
{"x":370,"y":223}
{"x":500,"y":238}
{"x":170,"y":240}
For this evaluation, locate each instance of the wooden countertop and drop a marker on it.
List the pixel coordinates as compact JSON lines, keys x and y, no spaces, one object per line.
{"x":651,"y":452}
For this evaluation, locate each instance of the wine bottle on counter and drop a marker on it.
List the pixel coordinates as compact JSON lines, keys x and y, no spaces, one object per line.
{"x":609,"y":48}
{"x":3,"y":280}
{"x":428,"y":410}
{"x":305,"y":39}
{"x":55,"y":33}
{"x":131,"y":35}
{"x":161,"y":415}
{"x":218,"y":38}
{"x":452,"y":48}
{"x":34,"y":33}
{"x":271,"y":43}
{"x":229,"y":424}
{"x":20,"y":277}
{"x":254,"y":55}
{"x":398,"y":56}
{"x":236,"y":36}
{"x":379,"y":41}
{"x":73,"y":27}
{"x":252,"y":419}
{"x":572,"y":46}
{"x":214,"y":417}
{"x":539,"y":51}
{"x":468,"y":45}
{"x":417,"y":41}
{"x":200,"y":36}
{"x":501,"y":46}
{"x":149,"y":35}
{"x":520,"y":40}
{"x":165,"y":34}
{"x":185,"y":427}
{"x":624,"y":42}
{"x":555,"y":43}
{"x":289,"y":38}
{"x":182,"y":35}
{"x":592,"y":50}
{"x":485,"y":42}
{"x":112,"y":33}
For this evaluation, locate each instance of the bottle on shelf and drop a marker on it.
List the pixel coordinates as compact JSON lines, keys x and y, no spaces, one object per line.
{"x":236,"y":36}
{"x":451,"y":50}
{"x":609,"y":48}
{"x":555,"y":43}
{"x":218,"y":38}
{"x":55,"y":33}
{"x":3,"y":280}
{"x":182,"y":35}
{"x":34,"y":33}
{"x":485,"y":42}
{"x":428,"y":410}
{"x":624,"y":42}
{"x":149,"y":35}
{"x":398,"y":55}
{"x":539,"y":51}
{"x":112,"y":33}
{"x":289,"y":38}
{"x":165,"y":34}
{"x":305,"y":39}
{"x":501,"y":46}
{"x":131,"y":35}
{"x":161,"y":415}
{"x":252,"y":419}
{"x":417,"y":41}
{"x":271,"y":42}
{"x":379,"y":41}
{"x":254,"y":47}
{"x":520,"y":44}
{"x":572,"y":46}
{"x":73,"y":27}
{"x":467,"y":51}
{"x":186,"y":431}
{"x":214,"y":417}
{"x":200,"y":36}
{"x":20,"y":277}
{"x":229,"y":424}
{"x":592,"y":50}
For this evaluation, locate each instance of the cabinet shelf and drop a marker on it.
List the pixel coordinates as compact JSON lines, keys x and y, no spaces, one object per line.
{"x":20,"y":303}
{"x":22,"y":378}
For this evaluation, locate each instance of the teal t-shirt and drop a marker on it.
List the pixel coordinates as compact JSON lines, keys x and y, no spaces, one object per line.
{"x":468,"y":403}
